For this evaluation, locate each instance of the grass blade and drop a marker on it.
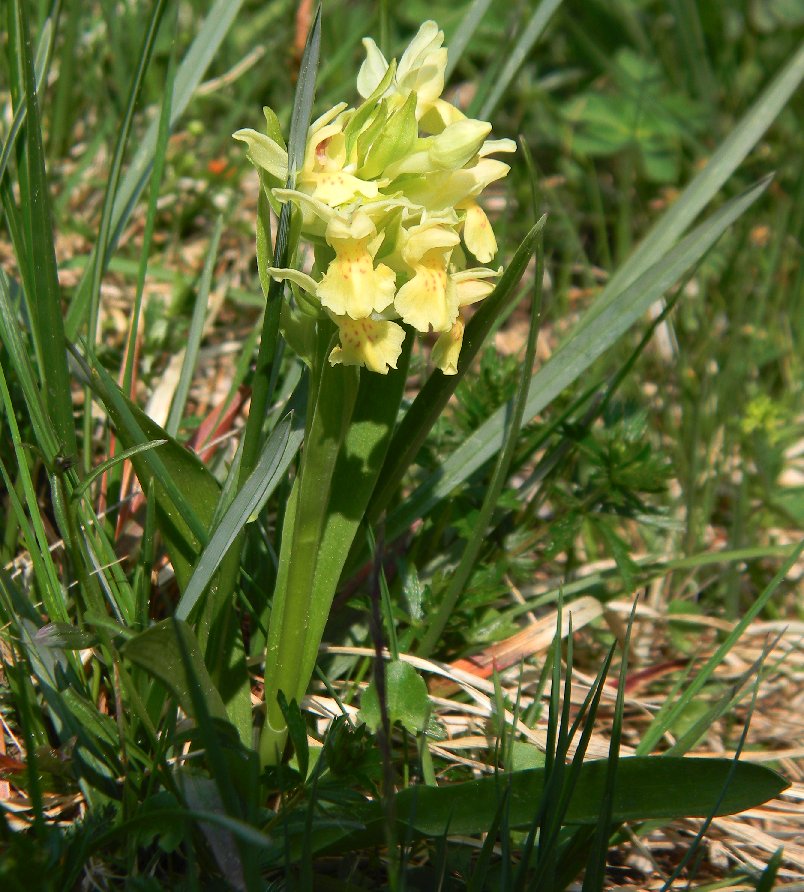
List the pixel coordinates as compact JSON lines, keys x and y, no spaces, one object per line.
{"x":277,"y":454}
{"x":262,"y":386}
{"x":20,"y":113}
{"x":303,"y":100}
{"x":596,"y":864}
{"x":458,"y":42}
{"x":670,"y":711}
{"x":527,"y":40}
{"x":42,"y":292}
{"x":460,"y":577}
{"x":188,"y":77}
{"x":194,"y":334}
{"x":102,"y":245}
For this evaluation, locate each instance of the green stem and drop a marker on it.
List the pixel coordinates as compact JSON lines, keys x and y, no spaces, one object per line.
{"x":297,"y":604}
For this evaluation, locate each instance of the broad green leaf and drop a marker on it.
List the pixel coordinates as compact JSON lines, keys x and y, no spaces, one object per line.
{"x":574,"y":357}
{"x":159,"y":652}
{"x":202,"y":795}
{"x":356,"y":475}
{"x":648,"y":788}
{"x":297,"y":604}
{"x":406,"y":699}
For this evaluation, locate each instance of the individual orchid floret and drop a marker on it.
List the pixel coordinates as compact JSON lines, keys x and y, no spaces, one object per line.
{"x":447,"y":349}
{"x":448,"y":188}
{"x":421,"y":70}
{"x":472,"y":285}
{"x":428,"y":299}
{"x":352,"y":285}
{"x":373,"y":343}
{"x":326,"y":176}
{"x":450,"y":150}
{"x":477,"y":232}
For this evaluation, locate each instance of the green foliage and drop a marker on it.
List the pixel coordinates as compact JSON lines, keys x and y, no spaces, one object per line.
{"x":406,"y":699}
{"x":638,"y":113}
{"x":131,"y":646}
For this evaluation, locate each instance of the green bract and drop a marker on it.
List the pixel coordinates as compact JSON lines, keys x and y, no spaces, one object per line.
{"x":391,"y":187}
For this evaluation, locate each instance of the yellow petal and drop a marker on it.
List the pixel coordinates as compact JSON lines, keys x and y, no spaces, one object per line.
{"x":472,"y":285}
{"x":457,"y":144}
{"x":447,"y":349}
{"x":372,"y":70}
{"x":336,"y":187}
{"x":429,"y":298}
{"x":427,"y":238}
{"x":490,"y":146}
{"x":375,"y":344}
{"x":448,"y":188}
{"x":478,"y":234}
{"x":264,"y":152}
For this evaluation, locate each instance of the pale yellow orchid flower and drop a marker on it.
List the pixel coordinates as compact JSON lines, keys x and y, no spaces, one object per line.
{"x":428,"y":298}
{"x":326,"y":175}
{"x":352,"y":285}
{"x":392,"y":187}
{"x":373,"y":343}
{"x":447,"y":349}
{"x":421,"y":70}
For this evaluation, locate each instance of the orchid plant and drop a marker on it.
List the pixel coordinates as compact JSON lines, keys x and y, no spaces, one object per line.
{"x":387,"y":198}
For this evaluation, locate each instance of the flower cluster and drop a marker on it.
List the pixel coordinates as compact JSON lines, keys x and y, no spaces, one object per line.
{"x":388,"y":195}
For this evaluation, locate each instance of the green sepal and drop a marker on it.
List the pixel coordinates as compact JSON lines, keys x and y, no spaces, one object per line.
{"x":364,"y":111}
{"x":396,"y":138}
{"x":372,"y":131}
{"x":272,"y":127}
